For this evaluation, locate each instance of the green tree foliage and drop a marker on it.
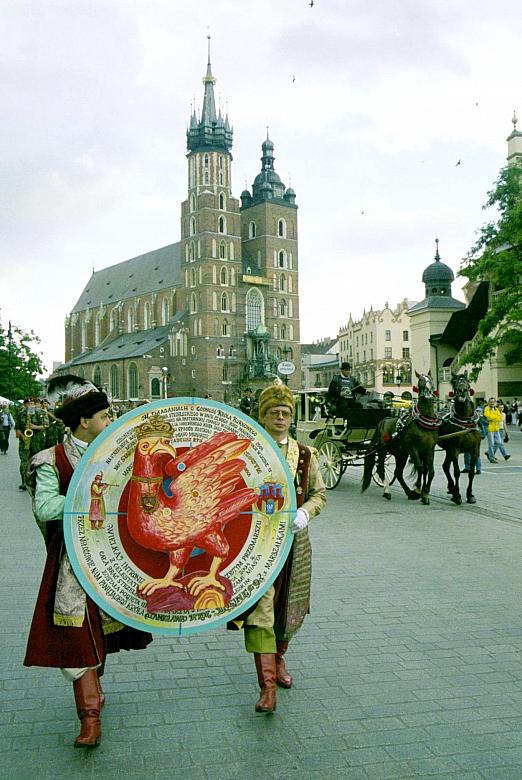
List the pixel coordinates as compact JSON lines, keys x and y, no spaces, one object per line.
{"x":20,"y":365}
{"x":497,"y":258}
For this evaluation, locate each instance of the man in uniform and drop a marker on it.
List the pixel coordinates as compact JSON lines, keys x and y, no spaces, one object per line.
{"x":341,"y":391}
{"x":280,"y":612}
{"x":23,"y":426}
{"x":68,"y":630}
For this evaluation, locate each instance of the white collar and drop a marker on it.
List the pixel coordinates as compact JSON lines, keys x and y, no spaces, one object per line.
{"x":82,"y":445}
{"x":283,"y":441}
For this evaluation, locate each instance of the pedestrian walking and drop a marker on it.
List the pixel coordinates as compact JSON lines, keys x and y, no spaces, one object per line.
{"x":6,"y":426}
{"x":495,"y":441}
{"x":279,"y":613}
{"x":68,"y":630}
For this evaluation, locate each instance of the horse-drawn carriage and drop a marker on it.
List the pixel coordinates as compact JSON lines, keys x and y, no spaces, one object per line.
{"x":340,"y":442}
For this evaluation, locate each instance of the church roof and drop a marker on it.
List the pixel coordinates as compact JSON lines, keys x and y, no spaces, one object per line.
{"x":127,"y":345}
{"x":437,"y":302}
{"x":152,"y":272}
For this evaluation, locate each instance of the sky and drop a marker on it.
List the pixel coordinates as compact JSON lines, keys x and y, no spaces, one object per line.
{"x":389,"y":120}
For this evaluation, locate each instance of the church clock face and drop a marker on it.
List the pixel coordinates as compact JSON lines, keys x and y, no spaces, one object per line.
{"x":178,"y":517}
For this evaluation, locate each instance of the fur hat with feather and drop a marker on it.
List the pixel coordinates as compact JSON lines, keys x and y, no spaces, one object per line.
{"x":74,"y":397}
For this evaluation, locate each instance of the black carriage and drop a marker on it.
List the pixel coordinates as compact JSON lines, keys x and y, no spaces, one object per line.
{"x":342,"y":442}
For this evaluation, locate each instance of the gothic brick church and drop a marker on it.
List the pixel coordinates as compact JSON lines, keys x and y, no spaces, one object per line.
{"x":216,"y":311}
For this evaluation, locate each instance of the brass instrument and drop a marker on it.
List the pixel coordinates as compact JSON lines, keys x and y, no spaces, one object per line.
{"x":28,"y":432}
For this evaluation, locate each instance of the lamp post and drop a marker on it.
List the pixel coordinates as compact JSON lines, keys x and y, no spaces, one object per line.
{"x":165,"y":379}
{"x":9,"y":362}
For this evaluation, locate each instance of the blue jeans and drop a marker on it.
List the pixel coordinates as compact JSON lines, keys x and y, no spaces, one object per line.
{"x":496,"y":442}
{"x":467,"y":463}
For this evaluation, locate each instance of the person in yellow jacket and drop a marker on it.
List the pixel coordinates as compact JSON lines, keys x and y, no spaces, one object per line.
{"x":495,"y":436}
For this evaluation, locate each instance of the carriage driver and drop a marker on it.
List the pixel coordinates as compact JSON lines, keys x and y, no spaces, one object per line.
{"x":341,"y":396}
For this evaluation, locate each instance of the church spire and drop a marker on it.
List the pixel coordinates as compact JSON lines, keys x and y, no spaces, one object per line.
{"x":211,"y":132}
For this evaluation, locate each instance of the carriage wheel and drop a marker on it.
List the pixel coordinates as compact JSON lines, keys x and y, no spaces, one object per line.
{"x":330,"y":464}
{"x":389,"y":471}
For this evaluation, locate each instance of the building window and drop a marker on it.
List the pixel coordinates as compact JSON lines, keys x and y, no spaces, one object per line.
{"x":96,"y":377}
{"x":223,"y":276}
{"x":282,"y":282}
{"x":193,"y":226}
{"x":222,"y":225}
{"x":281,"y":228}
{"x":221,"y":199}
{"x":406,"y":352}
{"x":282,"y":259}
{"x":115,"y":381}
{"x":405,"y":335}
{"x":252,"y":230}
{"x":387,"y":335}
{"x":193,"y":350}
{"x":221,"y":179}
{"x":387,"y":352}
{"x":133,"y":381}
{"x":224,"y":302}
{"x":155,"y":388}
{"x":232,"y":351}
{"x":222,"y":250}
{"x":224,"y":328}
{"x":282,"y":307}
{"x":206,"y":166}
{"x":220,"y":352}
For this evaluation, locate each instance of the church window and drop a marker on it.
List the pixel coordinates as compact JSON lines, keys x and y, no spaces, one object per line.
{"x":281,"y":228}
{"x":254,"y":309}
{"x":193,"y":303}
{"x":232,"y":351}
{"x":165,"y":311}
{"x":220,"y":174}
{"x":222,"y":225}
{"x":282,"y":307}
{"x":115,"y":381}
{"x":225,"y":328}
{"x":146,"y":316}
{"x":282,"y":259}
{"x":222,"y":250}
{"x":220,"y":352}
{"x":282,"y":282}
{"x":224,"y":302}
{"x":191,"y":252}
{"x":133,"y":381}
{"x":222,"y":204}
{"x":206,"y":169}
{"x":192,"y":277}
{"x":283,"y":332}
{"x":155,"y":388}
{"x":130,"y":319}
{"x":96,"y":377}
{"x":252,"y":230}
{"x":223,"y":276}
{"x":193,"y":226}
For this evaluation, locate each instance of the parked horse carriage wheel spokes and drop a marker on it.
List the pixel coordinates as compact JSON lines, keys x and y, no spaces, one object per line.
{"x":330,"y":463}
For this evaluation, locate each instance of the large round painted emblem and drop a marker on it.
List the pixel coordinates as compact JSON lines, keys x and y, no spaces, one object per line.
{"x":178,"y":517}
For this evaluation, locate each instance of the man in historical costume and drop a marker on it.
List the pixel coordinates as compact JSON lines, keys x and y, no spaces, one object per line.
{"x":279,"y":613}
{"x":68,"y":630}
{"x":97,"y":514}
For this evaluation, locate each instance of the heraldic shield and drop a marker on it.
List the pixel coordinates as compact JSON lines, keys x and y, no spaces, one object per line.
{"x":178,"y":517}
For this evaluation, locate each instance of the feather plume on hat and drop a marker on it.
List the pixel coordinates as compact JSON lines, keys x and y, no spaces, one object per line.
{"x":74,"y":397}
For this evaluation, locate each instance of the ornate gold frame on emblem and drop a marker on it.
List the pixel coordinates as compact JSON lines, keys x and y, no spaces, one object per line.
{"x":115,"y":543}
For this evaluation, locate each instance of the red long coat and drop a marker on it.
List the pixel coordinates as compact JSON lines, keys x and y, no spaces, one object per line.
{"x":64,"y":646}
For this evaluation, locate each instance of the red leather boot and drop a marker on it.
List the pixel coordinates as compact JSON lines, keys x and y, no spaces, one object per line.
{"x":88,"y":705}
{"x":266,"y":675}
{"x":283,"y":676}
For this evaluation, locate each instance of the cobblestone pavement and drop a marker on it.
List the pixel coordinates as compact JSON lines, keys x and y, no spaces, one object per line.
{"x":409,"y":666}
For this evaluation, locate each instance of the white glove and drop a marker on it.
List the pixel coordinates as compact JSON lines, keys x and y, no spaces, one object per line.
{"x":300,"y":521}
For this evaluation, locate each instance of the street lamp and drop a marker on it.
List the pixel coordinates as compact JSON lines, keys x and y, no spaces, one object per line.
{"x":165,"y":378}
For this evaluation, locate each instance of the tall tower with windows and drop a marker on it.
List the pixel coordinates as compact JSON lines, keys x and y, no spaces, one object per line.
{"x":210,"y":251}
{"x":270,"y":270}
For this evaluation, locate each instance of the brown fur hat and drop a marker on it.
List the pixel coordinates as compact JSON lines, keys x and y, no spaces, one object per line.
{"x":275,"y":395}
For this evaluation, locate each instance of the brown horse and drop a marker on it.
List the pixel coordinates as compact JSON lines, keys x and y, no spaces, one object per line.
{"x":459,"y":432}
{"x":413,"y":436}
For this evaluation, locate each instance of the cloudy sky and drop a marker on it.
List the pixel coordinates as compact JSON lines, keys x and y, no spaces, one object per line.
{"x":370,"y":105}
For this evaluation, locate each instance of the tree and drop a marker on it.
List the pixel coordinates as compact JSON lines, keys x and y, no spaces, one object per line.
{"x":497,"y":258}
{"x":20,"y":365}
